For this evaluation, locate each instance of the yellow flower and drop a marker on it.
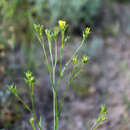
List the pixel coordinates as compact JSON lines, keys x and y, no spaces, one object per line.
{"x":28,"y":74}
{"x":104,"y":118}
{"x":74,"y":60}
{"x":32,"y":119}
{"x":62,"y":24}
{"x":87,"y":31}
{"x":84,"y":59}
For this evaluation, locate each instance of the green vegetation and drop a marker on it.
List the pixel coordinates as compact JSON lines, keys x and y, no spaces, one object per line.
{"x":51,"y":66}
{"x":18,"y":35}
{"x":18,"y":16}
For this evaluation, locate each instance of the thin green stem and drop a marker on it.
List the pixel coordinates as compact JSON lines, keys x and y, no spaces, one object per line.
{"x":45,"y":55}
{"x":61,"y":52}
{"x":51,"y":72}
{"x":55,"y":100}
{"x":56,"y":51}
{"x":61,"y":56}
{"x":32,"y":97}
{"x":44,"y":52}
{"x":64,"y":68}
{"x":33,"y":105}
{"x":73,"y":55}
{"x":57,"y":118}
{"x":68,"y":86}
{"x":34,"y":128}
{"x":97,"y":125}
{"x":50,"y":50}
{"x":54,"y":112}
{"x":28,"y":108}
{"x":62,"y":37}
{"x":61,"y":49}
{"x":24,"y":104}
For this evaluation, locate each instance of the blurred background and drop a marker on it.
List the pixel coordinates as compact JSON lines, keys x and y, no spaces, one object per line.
{"x":105,"y":80}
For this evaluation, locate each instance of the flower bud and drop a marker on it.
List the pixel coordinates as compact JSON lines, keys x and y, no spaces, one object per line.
{"x":29,"y":79}
{"x":32,"y":122}
{"x":36,"y":27}
{"x":75,"y":60}
{"x":12,"y":88}
{"x":86,"y":33}
{"x":84,"y":59}
{"x":62,"y":24}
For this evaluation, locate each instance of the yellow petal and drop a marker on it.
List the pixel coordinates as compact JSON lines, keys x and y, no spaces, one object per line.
{"x":62,"y":23}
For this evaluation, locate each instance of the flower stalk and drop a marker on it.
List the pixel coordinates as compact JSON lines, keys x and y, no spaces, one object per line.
{"x":52,"y":66}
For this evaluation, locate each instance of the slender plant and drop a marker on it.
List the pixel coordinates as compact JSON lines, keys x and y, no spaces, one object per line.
{"x":101,"y":117}
{"x":52,"y":52}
